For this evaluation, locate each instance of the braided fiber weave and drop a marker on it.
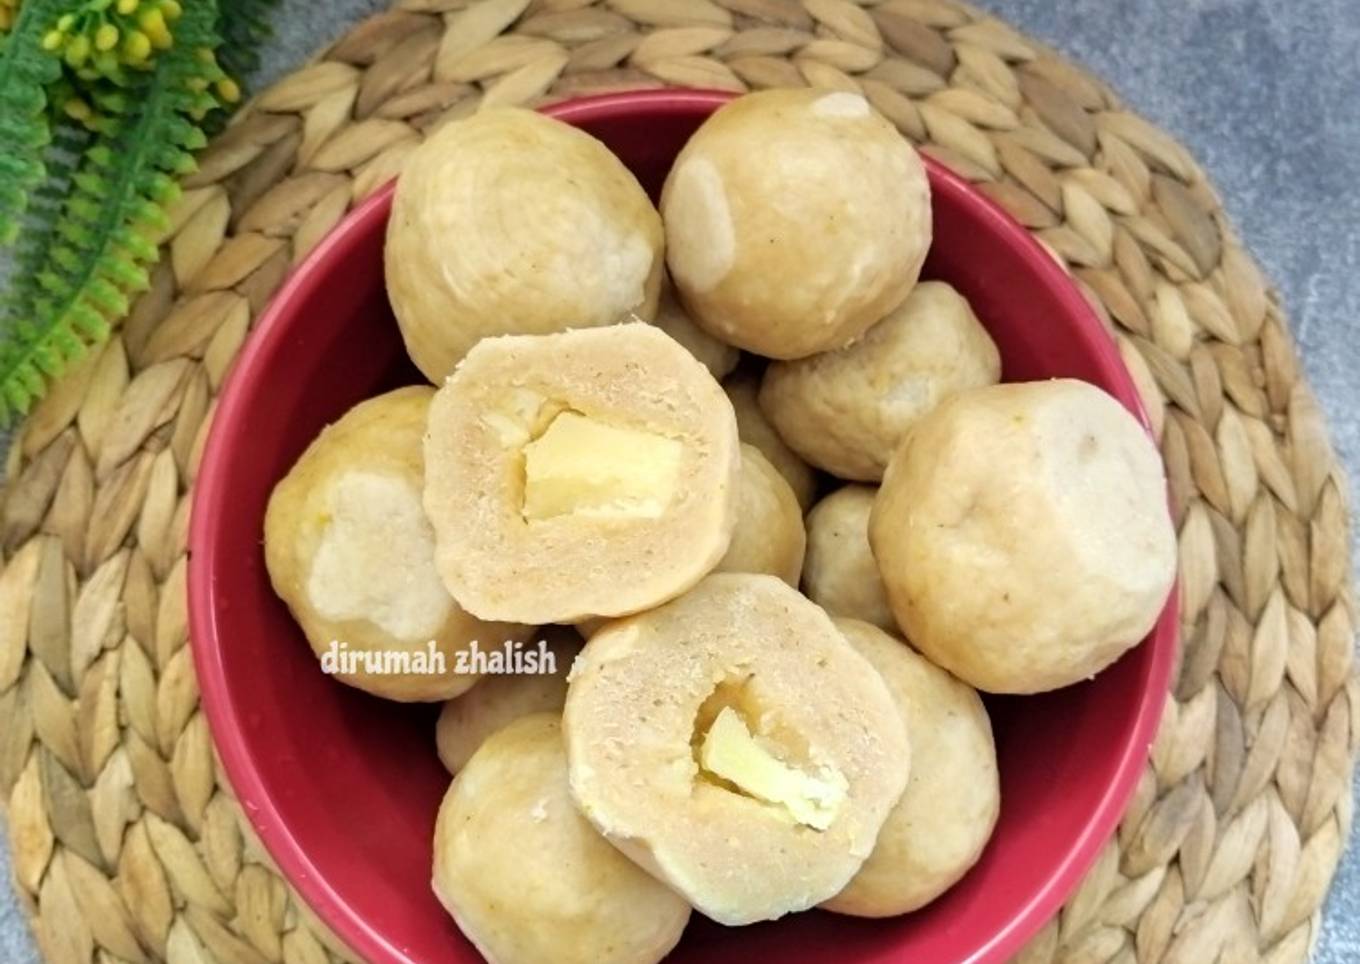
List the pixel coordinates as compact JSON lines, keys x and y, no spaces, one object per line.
{"x":127,"y":842}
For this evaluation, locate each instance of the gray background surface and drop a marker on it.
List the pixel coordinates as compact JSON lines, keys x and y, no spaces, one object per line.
{"x":1264,"y":93}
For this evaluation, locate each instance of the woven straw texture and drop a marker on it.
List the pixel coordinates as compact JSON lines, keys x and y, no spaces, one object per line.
{"x":127,"y":843}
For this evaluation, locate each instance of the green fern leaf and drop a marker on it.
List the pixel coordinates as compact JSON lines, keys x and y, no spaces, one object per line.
{"x":68,"y":344}
{"x":127,"y":274}
{"x":42,"y":218}
{"x":48,"y":361}
{"x":96,"y":251}
{"x":100,"y":158}
{"x":30,"y":379}
{"x":25,"y":72}
{"x":244,"y":26}
{"x":16,"y":399}
{"x":85,"y":321}
{"x":107,"y":298}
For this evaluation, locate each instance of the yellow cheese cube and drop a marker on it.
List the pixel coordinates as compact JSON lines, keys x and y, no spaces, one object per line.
{"x":731,"y":752}
{"x":584,"y":466}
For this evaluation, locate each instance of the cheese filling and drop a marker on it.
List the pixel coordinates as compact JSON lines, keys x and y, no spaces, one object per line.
{"x":731,"y":752}
{"x":586,"y":467}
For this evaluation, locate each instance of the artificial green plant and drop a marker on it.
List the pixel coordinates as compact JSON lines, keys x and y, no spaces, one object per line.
{"x":102,"y":104}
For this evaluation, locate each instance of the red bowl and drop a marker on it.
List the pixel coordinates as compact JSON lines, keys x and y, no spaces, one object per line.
{"x":343,"y":788}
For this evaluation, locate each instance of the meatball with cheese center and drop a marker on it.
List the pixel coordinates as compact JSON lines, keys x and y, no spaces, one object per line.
{"x":589,"y":473}
{"x":736,"y":746}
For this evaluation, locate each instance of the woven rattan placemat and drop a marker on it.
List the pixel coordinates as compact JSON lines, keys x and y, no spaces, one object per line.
{"x":126,"y":841}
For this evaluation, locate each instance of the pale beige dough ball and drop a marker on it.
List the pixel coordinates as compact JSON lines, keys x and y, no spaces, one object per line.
{"x":593,"y":472}
{"x":939,"y":828}
{"x":501,"y":698}
{"x":846,"y":411}
{"x":795,"y":219}
{"x":511,"y":222}
{"x":526,"y":878}
{"x":769,"y":535}
{"x":671,"y":317}
{"x":1023,"y":535}
{"x":839,"y":571}
{"x":349,"y":549}
{"x":736,"y":746}
{"x":752,"y":425}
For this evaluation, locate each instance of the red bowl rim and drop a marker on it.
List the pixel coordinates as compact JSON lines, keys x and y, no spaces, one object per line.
{"x":212,"y":496}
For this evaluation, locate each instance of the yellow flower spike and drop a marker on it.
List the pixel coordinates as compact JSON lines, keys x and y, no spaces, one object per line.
{"x":136,"y":47}
{"x":171,"y":9}
{"x":228,"y":90}
{"x":152,"y":22}
{"x":126,"y":7}
{"x":77,"y":50}
{"x":65,"y":22}
{"x":52,"y":40}
{"x":106,"y":37}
